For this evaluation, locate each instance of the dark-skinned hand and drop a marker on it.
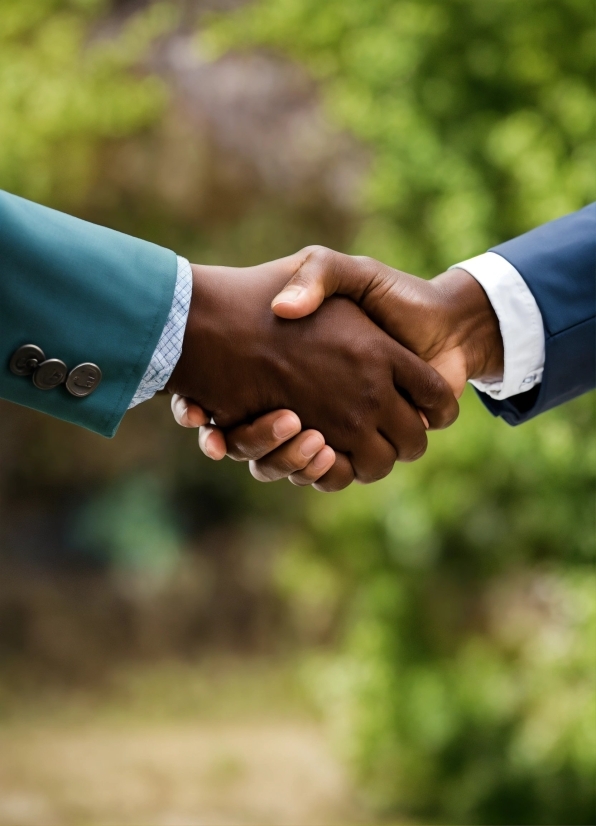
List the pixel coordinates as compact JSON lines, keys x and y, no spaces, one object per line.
{"x":335,"y":369}
{"x":448,"y":321}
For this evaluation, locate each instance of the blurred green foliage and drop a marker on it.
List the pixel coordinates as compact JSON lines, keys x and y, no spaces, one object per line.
{"x":465,"y":692}
{"x":479,"y":115}
{"x":61,"y":94}
{"x":131,"y":525}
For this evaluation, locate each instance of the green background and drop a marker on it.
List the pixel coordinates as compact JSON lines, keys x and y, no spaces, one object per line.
{"x":445,"y":617}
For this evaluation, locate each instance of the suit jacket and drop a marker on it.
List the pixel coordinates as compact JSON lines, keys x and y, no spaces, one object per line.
{"x":82,"y":293}
{"x":558,"y":263}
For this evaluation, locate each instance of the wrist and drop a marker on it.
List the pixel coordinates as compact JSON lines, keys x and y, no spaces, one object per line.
{"x":473,"y":324}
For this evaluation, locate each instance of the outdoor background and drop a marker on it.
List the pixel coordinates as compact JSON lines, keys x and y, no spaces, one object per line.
{"x":182,"y":645}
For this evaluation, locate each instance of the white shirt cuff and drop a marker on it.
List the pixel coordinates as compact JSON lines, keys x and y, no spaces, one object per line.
{"x":169,"y":346}
{"x":520,"y":322}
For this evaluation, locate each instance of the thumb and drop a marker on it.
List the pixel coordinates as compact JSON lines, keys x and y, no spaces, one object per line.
{"x":318,"y":276}
{"x":304,"y":292}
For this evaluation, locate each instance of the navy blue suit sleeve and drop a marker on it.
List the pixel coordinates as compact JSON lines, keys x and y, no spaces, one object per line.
{"x":558,"y":263}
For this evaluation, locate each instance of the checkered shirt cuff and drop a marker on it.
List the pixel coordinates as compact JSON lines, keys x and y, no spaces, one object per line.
{"x":169,"y":346}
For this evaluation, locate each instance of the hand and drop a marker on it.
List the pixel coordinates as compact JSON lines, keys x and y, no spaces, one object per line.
{"x":335,"y":368}
{"x":273,"y":445}
{"x":448,"y":321}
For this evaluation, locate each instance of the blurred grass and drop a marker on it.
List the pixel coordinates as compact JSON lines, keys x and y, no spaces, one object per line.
{"x":216,"y":689}
{"x":222,"y":742}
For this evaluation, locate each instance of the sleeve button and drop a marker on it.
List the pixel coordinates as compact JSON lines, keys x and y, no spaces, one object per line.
{"x":50,"y":374}
{"x":26,"y":359}
{"x":83,"y":379}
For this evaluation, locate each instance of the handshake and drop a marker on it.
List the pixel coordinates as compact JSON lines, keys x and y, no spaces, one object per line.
{"x":327,"y":368}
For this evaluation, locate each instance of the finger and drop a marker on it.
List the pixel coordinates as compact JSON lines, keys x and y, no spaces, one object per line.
{"x":317,"y":467}
{"x":418,"y":382}
{"x":403,"y":428}
{"x":187,"y":413}
{"x":264,"y":435}
{"x":212,"y":442}
{"x":338,"y":477}
{"x":321,"y":273}
{"x":374,"y":458}
{"x":289,"y":458}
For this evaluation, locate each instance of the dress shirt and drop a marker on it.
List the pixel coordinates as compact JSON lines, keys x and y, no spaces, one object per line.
{"x":520,"y":322}
{"x":169,"y":347}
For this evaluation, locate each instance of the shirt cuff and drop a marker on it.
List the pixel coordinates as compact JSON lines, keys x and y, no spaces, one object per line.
{"x":520,"y":322}
{"x":169,"y":347}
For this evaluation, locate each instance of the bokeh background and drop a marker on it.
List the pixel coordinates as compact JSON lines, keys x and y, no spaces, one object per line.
{"x":181,"y":645}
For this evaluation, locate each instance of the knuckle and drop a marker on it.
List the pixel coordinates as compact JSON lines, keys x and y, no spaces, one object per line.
{"x":322,"y":258}
{"x":271,"y":470}
{"x":416,"y":450}
{"x":435,"y":390}
{"x":451,"y":413}
{"x":305,"y":476}
{"x":241,"y":450}
{"x":285,"y":466}
{"x":299,"y":480}
{"x":281,"y":465}
{"x":253,"y":441}
{"x":340,"y":476}
{"x":372,"y":471}
{"x":332,"y":485}
{"x":315,"y":263}
{"x":319,"y":252}
{"x":366,"y":262}
{"x":371,"y":397}
{"x":239,"y":456}
{"x":352,"y":422}
{"x":441,"y":403}
{"x":311,"y":249}
{"x":258,"y":473}
{"x":370,"y":475}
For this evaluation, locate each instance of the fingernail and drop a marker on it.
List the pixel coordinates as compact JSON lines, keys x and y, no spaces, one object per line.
{"x":311,"y":445}
{"x":321,"y":460}
{"x":285,"y":426}
{"x":209,"y":449}
{"x":424,"y":419}
{"x":289,"y":296}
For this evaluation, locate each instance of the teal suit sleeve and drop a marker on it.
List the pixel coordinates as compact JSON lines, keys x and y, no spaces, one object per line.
{"x":82,"y":293}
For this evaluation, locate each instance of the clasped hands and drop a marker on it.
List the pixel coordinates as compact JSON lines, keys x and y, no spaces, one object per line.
{"x":327,"y":368}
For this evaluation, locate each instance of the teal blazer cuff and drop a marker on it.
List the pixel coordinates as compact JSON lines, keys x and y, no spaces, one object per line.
{"x":82,"y":293}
